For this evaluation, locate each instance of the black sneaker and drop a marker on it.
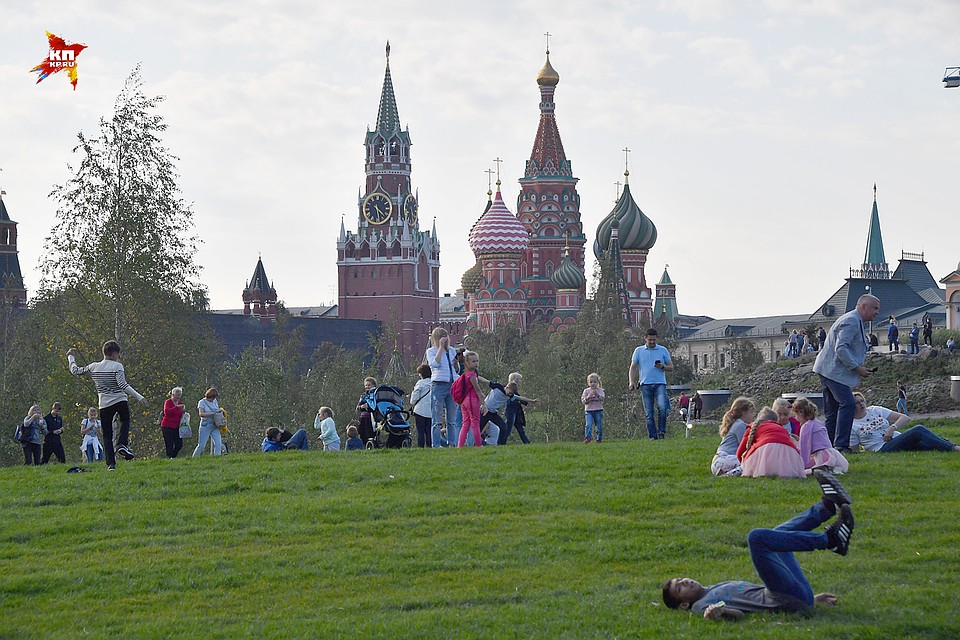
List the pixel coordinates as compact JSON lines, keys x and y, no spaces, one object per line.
{"x":834,"y":494}
{"x":111,"y":467}
{"x":838,"y":533}
{"x":846,"y":450}
{"x":125,"y":452}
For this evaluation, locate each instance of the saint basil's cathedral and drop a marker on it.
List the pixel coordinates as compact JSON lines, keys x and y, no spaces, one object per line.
{"x":530,"y":264}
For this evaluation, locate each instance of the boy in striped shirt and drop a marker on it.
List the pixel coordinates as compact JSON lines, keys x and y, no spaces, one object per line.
{"x":112,"y":389}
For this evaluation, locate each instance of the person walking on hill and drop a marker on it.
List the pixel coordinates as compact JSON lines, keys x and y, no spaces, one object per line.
{"x":29,"y":435}
{"x":902,"y":399}
{"x":170,"y":422}
{"x":647,"y":372}
{"x":112,"y":389}
{"x":209,"y":408}
{"x":697,"y":406}
{"x":444,"y":371}
{"x":840,"y":365}
{"x":52,"y":444}
{"x":592,"y":398}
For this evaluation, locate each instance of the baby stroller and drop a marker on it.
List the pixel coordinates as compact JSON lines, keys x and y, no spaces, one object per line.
{"x":391,"y":426}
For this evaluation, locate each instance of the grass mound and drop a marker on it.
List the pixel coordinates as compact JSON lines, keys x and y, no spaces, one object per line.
{"x":552,"y":541}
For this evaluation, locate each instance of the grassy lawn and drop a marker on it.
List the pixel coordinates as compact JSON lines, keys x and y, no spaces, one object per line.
{"x":547,"y":541}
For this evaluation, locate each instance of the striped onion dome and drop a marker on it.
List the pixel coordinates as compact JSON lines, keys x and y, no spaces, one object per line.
{"x":472,"y":279}
{"x":636,"y":231}
{"x":498,"y":231}
{"x":568,"y":274}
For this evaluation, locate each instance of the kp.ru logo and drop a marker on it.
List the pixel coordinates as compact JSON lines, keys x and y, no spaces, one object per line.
{"x":62,"y":56}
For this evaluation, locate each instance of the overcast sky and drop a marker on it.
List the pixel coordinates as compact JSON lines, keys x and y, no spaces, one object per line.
{"x":757,"y":129}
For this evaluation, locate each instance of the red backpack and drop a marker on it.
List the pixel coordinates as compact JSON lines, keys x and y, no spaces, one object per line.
{"x":459,"y":389}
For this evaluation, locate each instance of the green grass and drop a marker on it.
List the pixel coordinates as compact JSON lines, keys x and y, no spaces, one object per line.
{"x":547,"y":541}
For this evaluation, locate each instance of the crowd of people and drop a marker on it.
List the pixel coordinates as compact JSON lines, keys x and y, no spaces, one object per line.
{"x":454,"y":406}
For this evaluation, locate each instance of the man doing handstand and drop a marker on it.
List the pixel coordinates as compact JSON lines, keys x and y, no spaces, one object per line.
{"x":785,"y":587}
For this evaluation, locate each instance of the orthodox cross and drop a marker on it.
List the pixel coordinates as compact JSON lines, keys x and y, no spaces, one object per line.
{"x":499,"y":162}
{"x":489,"y":173}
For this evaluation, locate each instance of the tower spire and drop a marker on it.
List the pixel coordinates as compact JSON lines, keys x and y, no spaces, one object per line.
{"x":874,"y":261}
{"x":388,"y":119}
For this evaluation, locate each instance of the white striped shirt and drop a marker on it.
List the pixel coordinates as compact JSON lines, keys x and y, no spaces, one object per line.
{"x":109,"y":379}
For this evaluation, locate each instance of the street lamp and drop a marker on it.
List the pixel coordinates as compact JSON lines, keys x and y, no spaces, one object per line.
{"x":951,"y":77}
{"x":869,"y":290}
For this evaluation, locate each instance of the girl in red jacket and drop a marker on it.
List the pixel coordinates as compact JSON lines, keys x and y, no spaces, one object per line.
{"x":768,"y":450}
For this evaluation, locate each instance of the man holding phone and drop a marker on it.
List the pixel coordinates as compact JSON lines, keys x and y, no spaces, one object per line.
{"x":651,"y":361}
{"x":840,"y":365}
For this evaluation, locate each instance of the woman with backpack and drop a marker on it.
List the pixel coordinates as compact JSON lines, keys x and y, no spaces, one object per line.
{"x":30,"y":434}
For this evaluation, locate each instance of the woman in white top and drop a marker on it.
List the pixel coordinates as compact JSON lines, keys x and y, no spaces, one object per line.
{"x":208,"y":407}
{"x":875,"y":428}
{"x":421,"y":399}
{"x":443,"y":372}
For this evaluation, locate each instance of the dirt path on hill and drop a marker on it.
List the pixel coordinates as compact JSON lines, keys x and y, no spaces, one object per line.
{"x":938,"y":414}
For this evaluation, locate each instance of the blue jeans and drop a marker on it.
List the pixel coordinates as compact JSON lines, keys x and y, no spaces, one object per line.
{"x":772,"y":552}
{"x":656,"y":394}
{"x":208,"y":431}
{"x":902,"y":406}
{"x":838,"y":409}
{"x":445,"y":413}
{"x":917,"y":438}
{"x":595,"y":418}
{"x":299,"y":441}
{"x":93,"y":454}
{"x":914,"y":346}
{"x":510,"y":418}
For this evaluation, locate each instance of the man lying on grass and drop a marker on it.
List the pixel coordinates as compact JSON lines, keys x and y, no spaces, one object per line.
{"x":274,"y":440}
{"x":785,"y":587}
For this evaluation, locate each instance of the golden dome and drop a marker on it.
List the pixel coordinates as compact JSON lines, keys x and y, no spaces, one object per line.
{"x":472,"y":279}
{"x":548,"y":76}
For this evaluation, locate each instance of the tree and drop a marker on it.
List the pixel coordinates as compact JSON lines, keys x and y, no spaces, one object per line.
{"x":744,"y":355}
{"x":123,"y":230}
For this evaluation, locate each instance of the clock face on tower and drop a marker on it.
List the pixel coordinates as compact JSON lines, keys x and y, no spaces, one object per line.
{"x":377,"y":208}
{"x":410,"y":208}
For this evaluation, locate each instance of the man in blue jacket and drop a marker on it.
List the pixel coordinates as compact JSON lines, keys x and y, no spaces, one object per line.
{"x":840,"y":367}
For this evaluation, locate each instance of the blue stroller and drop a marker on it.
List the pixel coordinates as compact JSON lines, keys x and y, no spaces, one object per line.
{"x":391,"y":423}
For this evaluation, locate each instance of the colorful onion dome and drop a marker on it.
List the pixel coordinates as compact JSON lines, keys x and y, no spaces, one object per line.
{"x":636,"y":230}
{"x":472,"y":279}
{"x":548,"y":76}
{"x":498,"y":231}
{"x":568,"y":274}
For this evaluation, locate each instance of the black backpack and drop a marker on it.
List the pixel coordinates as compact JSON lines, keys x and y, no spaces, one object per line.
{"x":21,"y":435}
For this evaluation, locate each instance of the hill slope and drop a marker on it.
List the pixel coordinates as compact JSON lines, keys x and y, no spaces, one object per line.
{"x":546,"y":541}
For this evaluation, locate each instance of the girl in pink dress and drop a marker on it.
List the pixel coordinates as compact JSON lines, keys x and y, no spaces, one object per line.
{"x":472,"y":406}
{"x":815,"y":447}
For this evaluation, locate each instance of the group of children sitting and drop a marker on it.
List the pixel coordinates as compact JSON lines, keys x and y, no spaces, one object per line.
{"x":782,"y":440}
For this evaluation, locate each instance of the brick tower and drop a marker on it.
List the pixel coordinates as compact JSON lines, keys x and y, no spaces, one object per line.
{"x":259,"y":296}
{"x":389,"y":270}
{"x":548,"y":206}
{"x":11,"y":280}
